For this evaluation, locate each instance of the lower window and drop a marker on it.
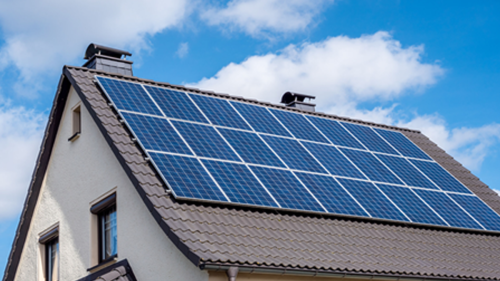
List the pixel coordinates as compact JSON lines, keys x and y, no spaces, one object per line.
{"x":107,"y":233}
{"x":52,"y":260}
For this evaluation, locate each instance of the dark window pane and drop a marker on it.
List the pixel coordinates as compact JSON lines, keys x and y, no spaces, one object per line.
{"x":52,"y":260}
{"x":108,"y":233}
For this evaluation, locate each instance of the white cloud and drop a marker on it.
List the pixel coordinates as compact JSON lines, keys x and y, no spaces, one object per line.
{"x":256,"y":17}
{"x":183,"y":50}
{"x":20,"y":136}
{"x":337,"y":70}
{"x":40,"y":36}
{"x":342,"y":72}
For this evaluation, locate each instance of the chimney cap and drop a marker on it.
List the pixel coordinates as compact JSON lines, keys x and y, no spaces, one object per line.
{"x":94,"y":49}
{"x":290,"y":97}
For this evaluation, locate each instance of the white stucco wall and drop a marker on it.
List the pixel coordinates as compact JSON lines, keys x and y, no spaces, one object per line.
{"x":79,"y":173}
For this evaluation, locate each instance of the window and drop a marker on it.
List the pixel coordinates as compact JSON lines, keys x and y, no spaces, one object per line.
{"x":107,"y":233}
{"x":52,"y":260}
{"x":105,"y":211}
{"x":50,"y":244}
{"x":77,"y":123}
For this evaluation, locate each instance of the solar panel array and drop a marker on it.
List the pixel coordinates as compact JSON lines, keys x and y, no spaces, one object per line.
{"x":209,"y":148}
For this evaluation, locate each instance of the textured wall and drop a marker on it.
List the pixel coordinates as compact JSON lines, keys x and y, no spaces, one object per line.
{"x":80,"y":173}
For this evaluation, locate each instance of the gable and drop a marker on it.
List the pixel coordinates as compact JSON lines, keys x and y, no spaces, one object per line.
{"x":79,"y":173}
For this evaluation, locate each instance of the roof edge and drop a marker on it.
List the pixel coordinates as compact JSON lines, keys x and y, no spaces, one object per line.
{"x":302,"y":271}
{"x":239,"y":98}
{"x":37,"y":178}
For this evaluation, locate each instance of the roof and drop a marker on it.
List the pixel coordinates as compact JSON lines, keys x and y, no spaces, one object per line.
{"x":213,"y":235}
{"x":119,"y":271}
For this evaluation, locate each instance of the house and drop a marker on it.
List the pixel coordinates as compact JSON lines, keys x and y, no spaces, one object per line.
{"x":141,"y":180}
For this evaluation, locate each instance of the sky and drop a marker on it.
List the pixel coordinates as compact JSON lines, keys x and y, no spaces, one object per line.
{"x":433,"y":66}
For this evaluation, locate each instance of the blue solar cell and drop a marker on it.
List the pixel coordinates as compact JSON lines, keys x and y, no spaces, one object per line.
{"x":251,"y":148}
{"x":335,"y":132}
{"x":406,"y":171}
{"x":286,"y":189}
{"x":293,"y":154}
{"x":239,"y":184}
{"x":373,"y":200}
{"x":479,"y":210}
{"x":369,"y":138}
{"x":402,"y":144}
{"x":176,"y":104}
{"x":220,"y":112}
{"x":333,"y":160}
{"x":411,"y":205}
{"x":187,"y":177}
{"x":260,"y":119}
{"x":447,"y":209}
{"x":298,"y":125}
{"x":205,"y":141}
{"x":156,"y":133}
{"x":440,"y":176}
{"x":129,"y":96}
{"x":370,"y":166}
{"x":333,"y":197}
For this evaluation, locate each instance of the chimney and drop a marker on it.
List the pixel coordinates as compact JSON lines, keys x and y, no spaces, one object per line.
{"x":297,"y":100}
{"x":108,"y":59}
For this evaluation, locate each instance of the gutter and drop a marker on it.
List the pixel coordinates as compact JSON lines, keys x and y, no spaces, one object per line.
{"x":250,"y":269}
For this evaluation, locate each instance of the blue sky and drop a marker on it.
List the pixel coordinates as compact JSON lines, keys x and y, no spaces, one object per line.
{"x":427,"y":65}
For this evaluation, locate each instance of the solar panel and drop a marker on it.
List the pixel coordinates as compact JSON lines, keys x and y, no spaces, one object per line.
{"x":440,"y":176}
{"x":336,"y":163}
{"x":287,"y":190}
{"x":176,"y":104}
{"x":181,"y":171}
{"x":299,"y":126}
{"x":209,"y":148}
{"x":411,"y":204}
{"x":205,"y":141}
{"x":373,"y":200}
{"x":239,"y":184}
{"x":447,"y":209}
{"x":406,"y":171}
{"x":251,"y":148}
{"x":402,"y":144}
{"x":156,"y":133}
{"x":219,"y":112}
{"x":369,"y":138}
{"x":335,"y":132}
{"x":479,"y":210}
{"x":260,"y":119}
{"x":293,"y":154}
{"x":371,"y":166}
{"x":333,"y":197}
{"x":129,"y":96}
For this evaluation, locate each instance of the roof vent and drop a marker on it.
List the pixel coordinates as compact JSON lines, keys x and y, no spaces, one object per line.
{"x":108,"y":59}
{"x":298,"y":101}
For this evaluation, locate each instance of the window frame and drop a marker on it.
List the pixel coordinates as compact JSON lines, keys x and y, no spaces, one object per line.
{"x":101,"y":209}
{"x":76,"y":122}
{"x":49,"y":240}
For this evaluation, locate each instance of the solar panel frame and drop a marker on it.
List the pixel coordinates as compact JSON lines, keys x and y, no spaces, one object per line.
{"x":261,"y":134}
